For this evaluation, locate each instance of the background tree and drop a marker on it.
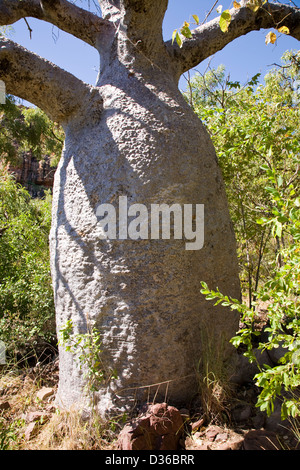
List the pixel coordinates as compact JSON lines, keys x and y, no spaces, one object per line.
{"x":134,"y":135}
{"x":260,"y":164}
{"x":26,"y":299}
{"x":26,"y":129}
{"x":252,"y":126}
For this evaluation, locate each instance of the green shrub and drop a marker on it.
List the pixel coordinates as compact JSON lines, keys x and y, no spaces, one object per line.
{"x":282,"y":292}
{"x":26,"y":298}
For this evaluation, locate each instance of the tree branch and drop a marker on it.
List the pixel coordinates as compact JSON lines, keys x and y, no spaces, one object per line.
{"x":49,"y":87}
{"x":208,"y":39}
{"x":65,"y":15}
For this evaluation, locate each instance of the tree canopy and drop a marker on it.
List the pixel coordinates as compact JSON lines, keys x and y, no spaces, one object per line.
{"x":142,"y":22}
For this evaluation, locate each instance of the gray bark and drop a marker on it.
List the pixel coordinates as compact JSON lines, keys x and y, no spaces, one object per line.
{"x":143,"y":295}
{"x":132,"y":135}
{"x":39,"y":81}
{"x":61,"y":13}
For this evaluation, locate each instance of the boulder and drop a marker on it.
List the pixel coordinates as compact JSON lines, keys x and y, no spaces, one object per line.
{"x":159,"y":428}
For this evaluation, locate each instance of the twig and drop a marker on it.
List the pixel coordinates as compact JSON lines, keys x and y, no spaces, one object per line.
{"x":209,"y":12}
{"x":29,"y":29}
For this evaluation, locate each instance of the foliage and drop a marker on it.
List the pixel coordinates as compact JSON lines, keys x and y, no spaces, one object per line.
{"x":282,"y":293}
{"x":225,"y":20}
{"x":28,"y":129}
{"x":87,"y":350}
{"x":257,"y":138}
{"x":26,"y":298}
{"x":252,"y":126}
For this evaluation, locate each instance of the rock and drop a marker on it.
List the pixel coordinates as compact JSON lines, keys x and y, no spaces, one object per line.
{"x":35,"y":175}
{"x":222,"y":436}
{"x":159,"y":428}
{"x":51,"y":408}
{"x":31,"y":430}
{"x":195,"y":444}
{"x":197,"y":424}
{"x":4,"y":405}
{"x":184,"y":413}
{"x":214,"y":438}
{"x":45,"y":393}
{"x":37,"y":416}
{"x":236,"y":442}
{"x":263,"y":357}
{"x":258,"y":421}
{"x":261,"y":439}
{"x":245,"y":371}
{"x":274,"y":421}
{"x":212,"y":431}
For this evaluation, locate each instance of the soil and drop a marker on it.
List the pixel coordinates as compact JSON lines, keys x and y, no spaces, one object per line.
{"x":27,"y":407}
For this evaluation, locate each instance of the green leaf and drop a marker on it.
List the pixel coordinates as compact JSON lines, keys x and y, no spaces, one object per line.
{"x":196,"y":18}
{"x":178,"y":39}
{"x":186,"y":32}
{"x":174,"y":35}
{"x":225,"y":20}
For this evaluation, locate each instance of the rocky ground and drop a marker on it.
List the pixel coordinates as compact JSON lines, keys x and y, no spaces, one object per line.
{"x":29,"y":419}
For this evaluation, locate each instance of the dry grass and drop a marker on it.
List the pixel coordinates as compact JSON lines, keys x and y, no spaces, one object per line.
{"x":215,"y":390}
{"x":55,"y":429}
{"x":68,"y":431}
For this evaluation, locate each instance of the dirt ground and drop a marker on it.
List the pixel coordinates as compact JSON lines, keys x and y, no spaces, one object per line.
{"x":30,"y":420}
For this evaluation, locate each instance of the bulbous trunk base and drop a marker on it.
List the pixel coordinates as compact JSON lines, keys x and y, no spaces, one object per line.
{"x":147,"y":147}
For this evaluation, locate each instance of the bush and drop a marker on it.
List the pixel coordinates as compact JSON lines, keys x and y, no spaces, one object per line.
{"x":282,"y":292}
{"x":26,"y":298}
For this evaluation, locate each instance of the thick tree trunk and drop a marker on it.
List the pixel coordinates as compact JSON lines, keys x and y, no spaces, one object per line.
{"x":143,"y":295}
{"x":134,"y":136}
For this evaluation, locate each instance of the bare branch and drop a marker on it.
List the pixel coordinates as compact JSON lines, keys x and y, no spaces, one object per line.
{"x":65,"y":15}
{"x":208,"y":38}
{"x":34,"y":79}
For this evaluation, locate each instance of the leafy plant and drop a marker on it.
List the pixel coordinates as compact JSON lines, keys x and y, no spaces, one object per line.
{"x":28,"y":130}
{"x":253,"y":127}
{"x":87,"y":351}
{"x":26,"y":297}
{"x":7,"y":434}
{"x":225,"y":21}
{"x":282,"y":294}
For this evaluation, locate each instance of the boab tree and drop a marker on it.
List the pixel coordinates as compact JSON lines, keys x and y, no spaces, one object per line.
{"x":132,"y":139}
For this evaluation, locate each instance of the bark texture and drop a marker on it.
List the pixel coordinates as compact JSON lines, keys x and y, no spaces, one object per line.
{"x":133,"y":135}
{"x":143,"y":295}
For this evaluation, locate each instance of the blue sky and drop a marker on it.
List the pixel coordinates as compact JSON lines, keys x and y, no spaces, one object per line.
{"x":243,"y":58}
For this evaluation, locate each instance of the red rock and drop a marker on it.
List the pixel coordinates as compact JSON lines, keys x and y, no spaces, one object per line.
{"x":197,"y":424}
{"x":37,"y":416}
{"x":31,"y":171}
{"x":212,"y":431}
{"x":159,"y":428}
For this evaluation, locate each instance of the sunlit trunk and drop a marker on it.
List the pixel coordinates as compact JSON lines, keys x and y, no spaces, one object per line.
{"x":145,"y":147}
